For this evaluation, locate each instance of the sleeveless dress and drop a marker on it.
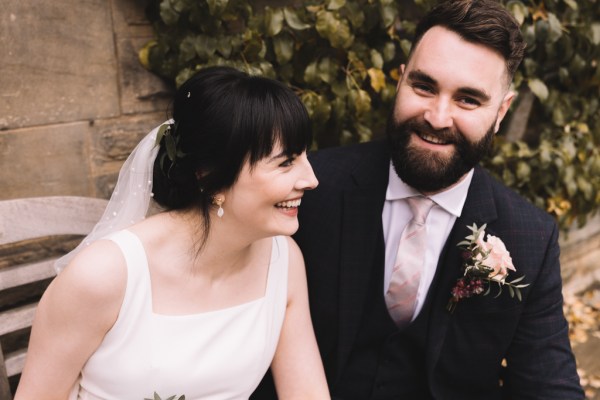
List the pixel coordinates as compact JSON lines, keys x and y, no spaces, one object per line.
{"x":215,"y":355}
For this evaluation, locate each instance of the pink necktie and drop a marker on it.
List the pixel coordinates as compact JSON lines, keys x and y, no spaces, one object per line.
{"x":401,"y":297}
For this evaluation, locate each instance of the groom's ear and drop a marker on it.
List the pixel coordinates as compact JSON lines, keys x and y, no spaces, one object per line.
{"x":504,"y":106}
{"x":400,"y":75}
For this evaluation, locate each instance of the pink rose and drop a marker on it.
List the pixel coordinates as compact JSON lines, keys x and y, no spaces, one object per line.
{"x":499,"y":258}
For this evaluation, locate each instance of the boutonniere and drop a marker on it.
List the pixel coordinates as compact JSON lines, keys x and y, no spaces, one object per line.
{"x":486,"y":264}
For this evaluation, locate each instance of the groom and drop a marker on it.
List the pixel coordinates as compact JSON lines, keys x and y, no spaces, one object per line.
{"x":380,"y":310}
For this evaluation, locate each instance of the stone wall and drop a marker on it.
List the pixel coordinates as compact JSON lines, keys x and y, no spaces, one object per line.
{"x":74,"y":99}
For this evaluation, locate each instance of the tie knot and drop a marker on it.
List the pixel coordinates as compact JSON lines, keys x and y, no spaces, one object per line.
{"x":420,"y":207}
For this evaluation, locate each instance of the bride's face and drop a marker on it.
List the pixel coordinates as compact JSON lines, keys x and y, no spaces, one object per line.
{"x":265,"y":197}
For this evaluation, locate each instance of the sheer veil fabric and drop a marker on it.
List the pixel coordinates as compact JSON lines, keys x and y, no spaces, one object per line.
{"x":130,"y":199}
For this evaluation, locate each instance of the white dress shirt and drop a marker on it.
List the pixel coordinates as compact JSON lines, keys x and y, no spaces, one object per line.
{"x":396,"y":214}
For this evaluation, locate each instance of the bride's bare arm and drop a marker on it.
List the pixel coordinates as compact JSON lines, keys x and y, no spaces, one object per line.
{"x":297,"y":366}
{"x":74,"y":314}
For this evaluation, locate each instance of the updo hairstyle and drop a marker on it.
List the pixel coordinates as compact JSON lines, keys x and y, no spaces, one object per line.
{"x":222,"y":118}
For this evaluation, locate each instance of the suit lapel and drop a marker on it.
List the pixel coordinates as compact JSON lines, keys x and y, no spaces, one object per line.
{"x":480,"y":209}
{"x":361,"y":243}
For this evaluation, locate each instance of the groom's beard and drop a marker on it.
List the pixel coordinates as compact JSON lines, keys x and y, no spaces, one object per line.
{"x":427,"y":171}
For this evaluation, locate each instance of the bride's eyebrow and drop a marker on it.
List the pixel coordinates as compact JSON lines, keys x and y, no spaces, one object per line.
{"x":277,"y":156}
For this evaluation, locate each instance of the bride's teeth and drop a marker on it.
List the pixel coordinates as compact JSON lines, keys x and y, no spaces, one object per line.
{"x":289,"y":203}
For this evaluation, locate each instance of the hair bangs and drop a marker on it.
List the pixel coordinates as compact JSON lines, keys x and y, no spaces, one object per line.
{"x":276,"y":117}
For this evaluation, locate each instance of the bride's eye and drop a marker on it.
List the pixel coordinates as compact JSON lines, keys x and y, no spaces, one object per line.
{"x":288,"y":162}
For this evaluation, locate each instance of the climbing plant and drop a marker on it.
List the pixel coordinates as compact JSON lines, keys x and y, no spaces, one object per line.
{"x":341,"y":57}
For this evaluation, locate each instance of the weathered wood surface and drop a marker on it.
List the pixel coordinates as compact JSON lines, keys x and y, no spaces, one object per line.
{"x":20,"y":221}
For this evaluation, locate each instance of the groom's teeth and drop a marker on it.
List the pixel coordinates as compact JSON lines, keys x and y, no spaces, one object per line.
{"x":432,"y":139}
{"x":288,"y":204}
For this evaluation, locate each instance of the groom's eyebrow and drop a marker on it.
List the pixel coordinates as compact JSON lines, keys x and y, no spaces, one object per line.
{"x":420,"y":76}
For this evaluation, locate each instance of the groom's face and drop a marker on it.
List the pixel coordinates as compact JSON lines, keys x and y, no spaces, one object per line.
{"x":450,"y":100}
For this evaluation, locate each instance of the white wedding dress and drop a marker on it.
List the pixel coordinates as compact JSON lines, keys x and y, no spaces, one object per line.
{"x":217,"y":355}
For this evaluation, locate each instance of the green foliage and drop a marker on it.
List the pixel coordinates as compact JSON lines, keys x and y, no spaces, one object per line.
{"x":341,"y":57}
{"x":556,"y":164}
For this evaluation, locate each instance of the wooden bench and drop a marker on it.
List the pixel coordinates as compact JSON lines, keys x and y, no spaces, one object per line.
{"x":22,"y":220}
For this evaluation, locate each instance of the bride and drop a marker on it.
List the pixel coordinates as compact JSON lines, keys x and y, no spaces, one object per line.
{"x":201,"y":298}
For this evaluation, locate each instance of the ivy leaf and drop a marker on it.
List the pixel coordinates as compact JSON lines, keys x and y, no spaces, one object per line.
{"x":388,"y":14}
{"x":216,"y":6}
{"x":293,"y":20}
{"x":389,"y":51}
{"x":538,"y":88}
{"x":327,"y":69}
{"x":364,"y":132}
{"x":335,"y":30}
{"x":555,"y":31}
{"x":205,"y":46}
{"x":310,"y":74}
{"x":377,"y":78}
{"x":353,"y":11}
{"x":168,"y":14}
{"x":224,"y":45}
{"x":144,"y":53}
{"x":253,"y":47}
{"x":335,"y":4}
{"x":518,"y":10}
{"x":523,"y":171}
{"x":595,"y":30}
{"x":273,"y":20}
{"x":572,"y":4}
{"x":360,"y":101}
{"x":376,"y":59}
{"x":283,"y":45}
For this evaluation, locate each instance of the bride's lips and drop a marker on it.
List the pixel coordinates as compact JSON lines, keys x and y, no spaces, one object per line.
{"x":289,"y":207}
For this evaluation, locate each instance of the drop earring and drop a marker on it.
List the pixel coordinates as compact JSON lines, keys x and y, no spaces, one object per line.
{"x":219,"y":200}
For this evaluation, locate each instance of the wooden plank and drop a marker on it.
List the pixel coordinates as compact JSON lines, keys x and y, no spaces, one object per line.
{"x":17,"y":318}
{"x":44,"y":216}
{"x":15,"y":362}
{"x":18,"y":275}
{"x":5,"y":393}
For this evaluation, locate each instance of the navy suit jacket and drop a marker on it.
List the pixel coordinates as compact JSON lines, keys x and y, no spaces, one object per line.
{"x":341,"y":237}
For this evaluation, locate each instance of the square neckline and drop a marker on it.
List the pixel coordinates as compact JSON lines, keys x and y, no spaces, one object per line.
{"x":232,"y":308}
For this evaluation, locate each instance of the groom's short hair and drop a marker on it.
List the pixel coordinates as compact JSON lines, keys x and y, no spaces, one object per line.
{"x":484,"y":22}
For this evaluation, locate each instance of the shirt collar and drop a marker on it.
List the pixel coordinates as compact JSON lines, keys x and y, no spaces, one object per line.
{"x":452,"y":200}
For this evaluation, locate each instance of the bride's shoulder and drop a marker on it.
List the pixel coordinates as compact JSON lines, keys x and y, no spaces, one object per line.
{"x":98,"y":272}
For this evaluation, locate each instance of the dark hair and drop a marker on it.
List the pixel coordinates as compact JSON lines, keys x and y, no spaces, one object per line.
{"x":222,"y":118}
{"x":484,"y":22}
